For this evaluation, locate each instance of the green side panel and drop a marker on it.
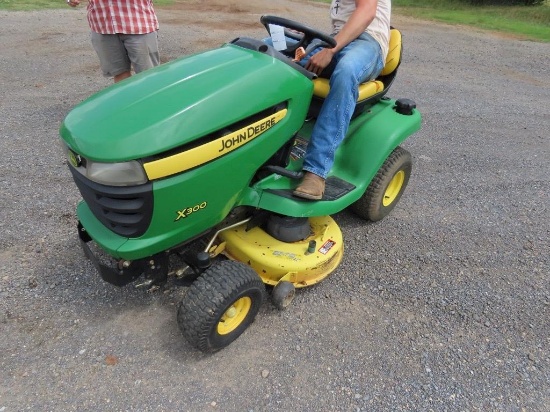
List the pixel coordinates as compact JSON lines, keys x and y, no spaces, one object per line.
{"x":178,"y":102}
{"x":371,"y":138}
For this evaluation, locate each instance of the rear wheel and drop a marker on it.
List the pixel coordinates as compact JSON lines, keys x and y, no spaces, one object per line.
{"x":220,"y":305}
{"x":386,"y":188}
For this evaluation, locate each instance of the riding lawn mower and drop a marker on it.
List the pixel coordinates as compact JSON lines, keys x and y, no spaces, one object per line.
{"x":187,"y":171}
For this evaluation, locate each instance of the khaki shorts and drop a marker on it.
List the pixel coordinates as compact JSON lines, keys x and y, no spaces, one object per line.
{"x":119,"y":53}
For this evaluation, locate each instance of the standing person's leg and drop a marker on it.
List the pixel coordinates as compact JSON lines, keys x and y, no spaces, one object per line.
{"x":112,"y":55}
{"x":142,"y":50}
{"x":357,"y":62}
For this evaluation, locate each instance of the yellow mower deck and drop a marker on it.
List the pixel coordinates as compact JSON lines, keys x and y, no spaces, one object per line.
{"x":302,"y":263}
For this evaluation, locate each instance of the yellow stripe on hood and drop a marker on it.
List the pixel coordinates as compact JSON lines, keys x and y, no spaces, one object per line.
{"x":212,"y":150}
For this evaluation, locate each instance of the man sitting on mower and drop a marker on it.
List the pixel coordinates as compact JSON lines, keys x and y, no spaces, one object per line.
{"x":361,"y":29}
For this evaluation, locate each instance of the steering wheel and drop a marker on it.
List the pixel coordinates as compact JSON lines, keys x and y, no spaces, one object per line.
{"x":305,"y":36}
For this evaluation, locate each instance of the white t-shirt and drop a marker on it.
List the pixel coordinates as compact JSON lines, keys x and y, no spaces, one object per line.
{"x":341,"y":10}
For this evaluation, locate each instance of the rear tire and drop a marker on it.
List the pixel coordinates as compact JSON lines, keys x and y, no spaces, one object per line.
{"x":220,"y":305}
{"x":386,"y":188}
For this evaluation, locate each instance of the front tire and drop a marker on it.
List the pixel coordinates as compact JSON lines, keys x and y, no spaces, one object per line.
{"x":386,"y":188}
{"x":220,"y":305}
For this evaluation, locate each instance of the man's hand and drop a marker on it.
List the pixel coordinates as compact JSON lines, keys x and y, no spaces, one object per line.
{"x":73,"y":3}
{"x":319,"y":61}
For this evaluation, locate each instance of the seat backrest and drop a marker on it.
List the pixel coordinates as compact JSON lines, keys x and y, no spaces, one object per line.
{"x":394,"y":53}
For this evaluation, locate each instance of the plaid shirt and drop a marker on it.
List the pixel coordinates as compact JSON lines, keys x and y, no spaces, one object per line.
{"x":122,"y":16}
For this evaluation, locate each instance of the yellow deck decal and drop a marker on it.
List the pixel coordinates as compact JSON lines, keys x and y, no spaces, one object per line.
{"x":199,"y":155}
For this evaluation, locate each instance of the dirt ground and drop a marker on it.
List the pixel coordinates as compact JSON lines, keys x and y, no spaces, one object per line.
{"x":442,"y":306}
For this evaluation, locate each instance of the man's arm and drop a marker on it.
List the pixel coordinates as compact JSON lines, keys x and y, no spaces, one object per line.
{"x":360,"y":19}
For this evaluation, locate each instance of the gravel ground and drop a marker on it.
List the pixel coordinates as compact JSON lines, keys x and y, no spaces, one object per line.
{"x":443,"y":305}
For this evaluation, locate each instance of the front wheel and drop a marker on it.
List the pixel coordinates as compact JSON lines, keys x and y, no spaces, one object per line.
{"x":386,"y":188}
{"x":220,"y":305}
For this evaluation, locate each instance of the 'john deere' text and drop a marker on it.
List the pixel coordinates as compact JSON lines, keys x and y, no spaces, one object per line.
{"x":247,"y":134}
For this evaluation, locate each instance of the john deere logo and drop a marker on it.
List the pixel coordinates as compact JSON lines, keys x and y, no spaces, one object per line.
{"x":74,"y":159}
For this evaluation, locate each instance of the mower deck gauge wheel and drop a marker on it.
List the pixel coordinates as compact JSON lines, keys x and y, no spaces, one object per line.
{"x":283,"y":294}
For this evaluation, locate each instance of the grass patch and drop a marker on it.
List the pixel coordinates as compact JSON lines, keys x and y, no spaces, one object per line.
{"x":526,"y":22}
{"x":31,"y":4}
{"x":532,"y":23}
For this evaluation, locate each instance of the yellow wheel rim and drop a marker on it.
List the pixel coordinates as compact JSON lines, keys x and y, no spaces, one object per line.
{"x":393,"y":189}
{"x":234,"y":315}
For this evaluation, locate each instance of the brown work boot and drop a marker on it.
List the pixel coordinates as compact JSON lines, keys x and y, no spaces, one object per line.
{"x":312,"y":187}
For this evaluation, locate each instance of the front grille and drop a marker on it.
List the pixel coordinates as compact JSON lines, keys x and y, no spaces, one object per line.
{"x":126,"y":210}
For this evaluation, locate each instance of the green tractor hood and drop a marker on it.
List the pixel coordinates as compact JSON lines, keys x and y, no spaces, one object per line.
{"x":178,"y":102}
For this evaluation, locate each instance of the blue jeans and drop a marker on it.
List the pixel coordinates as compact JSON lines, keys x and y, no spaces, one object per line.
{"x":359,"y":61}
